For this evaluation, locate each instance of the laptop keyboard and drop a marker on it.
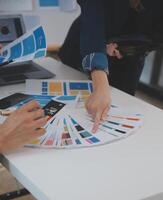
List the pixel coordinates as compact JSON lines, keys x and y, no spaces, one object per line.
{"x":17,"y":69}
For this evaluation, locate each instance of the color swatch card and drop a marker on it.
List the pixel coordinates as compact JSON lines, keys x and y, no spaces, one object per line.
{"x":60,"y":87}
{"x":72,"y":128}
{"x":118,"y":125}
{"x":27,"y":47}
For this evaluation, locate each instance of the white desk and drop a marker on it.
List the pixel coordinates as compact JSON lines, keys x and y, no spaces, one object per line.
{"x":131,"y":169}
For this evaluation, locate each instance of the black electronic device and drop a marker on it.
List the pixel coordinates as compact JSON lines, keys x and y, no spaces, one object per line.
{"x":13,"y":100}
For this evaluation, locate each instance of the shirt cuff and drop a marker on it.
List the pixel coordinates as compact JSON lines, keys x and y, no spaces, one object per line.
{"x":95,"y":61}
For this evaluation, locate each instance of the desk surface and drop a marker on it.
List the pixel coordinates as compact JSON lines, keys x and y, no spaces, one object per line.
{"x":130,"y":169}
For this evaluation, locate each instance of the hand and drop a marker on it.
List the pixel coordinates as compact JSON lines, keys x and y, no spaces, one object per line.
{"x":112,"y":50}
{"x":53,"y":48}
{"x":98,"y":103}
{"x":22,"y":126}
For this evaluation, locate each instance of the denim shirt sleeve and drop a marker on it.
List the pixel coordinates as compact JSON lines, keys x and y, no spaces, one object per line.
{"x":92,"y":37}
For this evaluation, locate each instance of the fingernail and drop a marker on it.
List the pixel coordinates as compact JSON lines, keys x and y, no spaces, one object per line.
{"x":94,"y":130}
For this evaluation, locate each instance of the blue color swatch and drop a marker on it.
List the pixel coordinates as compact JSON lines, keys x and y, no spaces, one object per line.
{"x":66,"y":98}
{"x":16,"y":51}
{"x":94,"y":140}
{"x":40,"y":54}
{"x":28,"y":45}
{"x":44,"y":84}
{"x":49,"y":3}
{"x":40,"y":38}
{"x":79,"y":86}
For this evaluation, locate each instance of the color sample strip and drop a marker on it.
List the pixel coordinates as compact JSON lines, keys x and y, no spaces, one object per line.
{"x":93,"y":140}
{"x":49,"y":142}
{"x":115,"y":127}
{"x":127,"y":118}
{"x":28,"y":45}
{"x":66,"y":138}
{"x":66,"y":98}
{"x":76,"y":140}
{"x":119,"y":124}
{"x":16,"y":51}
{"x":85,"y":134}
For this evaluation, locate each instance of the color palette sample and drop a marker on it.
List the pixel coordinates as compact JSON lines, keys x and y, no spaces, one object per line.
{"x":54,"y":88}
{"x":27,"y":47}
{"x":72,"y":128}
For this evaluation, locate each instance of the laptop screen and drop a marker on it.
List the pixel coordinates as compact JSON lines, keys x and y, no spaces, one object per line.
{"x":10,"y":28}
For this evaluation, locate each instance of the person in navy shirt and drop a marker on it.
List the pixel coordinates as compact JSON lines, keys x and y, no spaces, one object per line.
{"x":87,"y":46}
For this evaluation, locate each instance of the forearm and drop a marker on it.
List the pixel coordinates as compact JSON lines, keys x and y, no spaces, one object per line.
{"x":92,"y":37}
{"x":99,"y":79}
{"x":95,"y":62}
{"x":1,"y":138}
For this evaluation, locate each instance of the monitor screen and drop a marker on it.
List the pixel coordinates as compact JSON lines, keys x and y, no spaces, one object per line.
{"x":10,"y":29}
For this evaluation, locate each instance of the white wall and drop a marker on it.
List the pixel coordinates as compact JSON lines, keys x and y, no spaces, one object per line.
{"x":147,"y":71}
{"x":55,"y":21}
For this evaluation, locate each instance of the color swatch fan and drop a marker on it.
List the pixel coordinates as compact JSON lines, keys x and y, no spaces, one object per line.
{"x":72,"y":128}
{"x":30,"y":46}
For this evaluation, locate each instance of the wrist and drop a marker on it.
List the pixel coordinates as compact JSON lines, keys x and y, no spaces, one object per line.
{"x":100,"y":80}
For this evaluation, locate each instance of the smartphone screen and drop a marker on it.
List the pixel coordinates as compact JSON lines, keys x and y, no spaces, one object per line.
{"x":13,"y":100}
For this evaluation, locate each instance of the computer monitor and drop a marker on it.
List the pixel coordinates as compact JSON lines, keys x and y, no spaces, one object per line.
{"x":11,"y":28}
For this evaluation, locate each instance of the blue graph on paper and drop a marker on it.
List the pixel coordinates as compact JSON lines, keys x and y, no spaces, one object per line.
{"x":28,"y":47}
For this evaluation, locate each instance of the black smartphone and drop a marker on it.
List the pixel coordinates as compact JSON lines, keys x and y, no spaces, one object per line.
{"x":53,"y":107}
{"x":13,"y":100}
